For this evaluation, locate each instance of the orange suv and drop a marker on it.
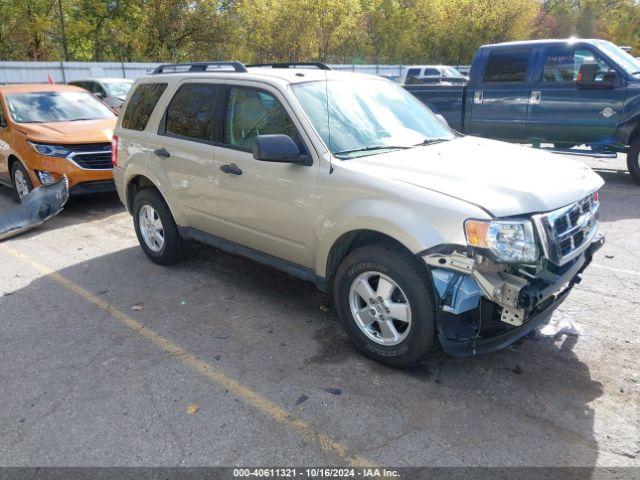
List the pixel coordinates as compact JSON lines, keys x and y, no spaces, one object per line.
{"x":47,"y":131}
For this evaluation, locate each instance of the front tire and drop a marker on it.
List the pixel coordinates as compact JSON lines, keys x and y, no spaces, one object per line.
{"x":386,"y":303}
{"x":633,"y":159}
{"x":155,"y":228}
{"x":20,"y":179}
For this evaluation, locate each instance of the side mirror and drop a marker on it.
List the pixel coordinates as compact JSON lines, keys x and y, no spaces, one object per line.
{"x":98,"y":95}
{"x":590,"y":76}
{"x":278,"y":148}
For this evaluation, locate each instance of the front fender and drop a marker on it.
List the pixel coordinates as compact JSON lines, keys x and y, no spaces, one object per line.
{"x":410,"y":226}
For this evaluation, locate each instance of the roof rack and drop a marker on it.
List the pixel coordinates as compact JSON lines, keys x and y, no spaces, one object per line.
{"x":319,"y":65}
{"x":199,"y":67}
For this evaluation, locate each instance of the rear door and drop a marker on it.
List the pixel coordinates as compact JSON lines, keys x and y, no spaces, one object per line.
{"x":500,"y":99}
{"x":183,"y":150}
{"x":565,"y":114}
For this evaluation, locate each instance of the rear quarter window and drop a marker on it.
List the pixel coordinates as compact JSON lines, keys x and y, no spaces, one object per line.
{"x":141,"y":104}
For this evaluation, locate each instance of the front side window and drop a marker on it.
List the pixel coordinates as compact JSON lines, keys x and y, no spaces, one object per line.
{"x":507,"y":66}
{"x":365,"y":117}
{"x":44,"y":107}
{"x":432,"y":72}
{"x":563,"y":66}
{"x":141,"y":105}
{"x":251,"y":112}
{"x":192,"y":111}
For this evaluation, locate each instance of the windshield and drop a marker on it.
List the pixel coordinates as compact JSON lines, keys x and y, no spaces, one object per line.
{"x":623,"y":59}
{"x":56,"y":107}
{"x":368,"y":116}
{"x":117,"y":89}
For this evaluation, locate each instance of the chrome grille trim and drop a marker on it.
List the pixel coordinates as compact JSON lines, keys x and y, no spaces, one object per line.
{"x":91,"y":156}
{"x":568,"y":231}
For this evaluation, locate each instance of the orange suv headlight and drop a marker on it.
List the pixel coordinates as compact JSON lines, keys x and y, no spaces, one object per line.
{"x":50,"y":150}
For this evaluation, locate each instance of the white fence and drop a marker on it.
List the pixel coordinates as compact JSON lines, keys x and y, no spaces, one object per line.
{"x":62,"y":72}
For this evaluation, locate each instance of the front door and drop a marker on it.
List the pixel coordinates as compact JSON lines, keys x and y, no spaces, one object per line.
{"x":500,"y":102}
{"x":262,"y":205}
{"x":566,"y":114}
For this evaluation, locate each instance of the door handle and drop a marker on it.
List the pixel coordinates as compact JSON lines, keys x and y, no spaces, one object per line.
{"x":162,"y":152}
{"x":535,"y":97}
{"x":231,"y":169}
{"x":478,"y":97}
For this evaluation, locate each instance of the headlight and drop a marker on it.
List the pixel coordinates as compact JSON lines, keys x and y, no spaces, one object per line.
{"x":50,"y":150}
{"x":507,"y":241}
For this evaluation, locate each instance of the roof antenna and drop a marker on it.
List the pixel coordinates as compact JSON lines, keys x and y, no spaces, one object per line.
{"x":326,"y":91}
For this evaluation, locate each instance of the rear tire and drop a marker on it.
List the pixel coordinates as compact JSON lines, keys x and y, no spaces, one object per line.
{"x":633,"y":159}
{"x":399,"y":329}
{"x":155,"y":228}
{"x":20,"y":180}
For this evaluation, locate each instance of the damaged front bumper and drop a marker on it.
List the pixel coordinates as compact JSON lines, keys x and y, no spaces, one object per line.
{"x":484,"y":306}
{"x":37,"y":207}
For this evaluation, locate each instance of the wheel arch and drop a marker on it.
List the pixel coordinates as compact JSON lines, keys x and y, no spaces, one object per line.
{"x":350,"y":241}
{"x":141,"y":181}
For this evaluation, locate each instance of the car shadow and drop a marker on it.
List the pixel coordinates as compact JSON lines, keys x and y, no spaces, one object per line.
{"x":528,"y":405}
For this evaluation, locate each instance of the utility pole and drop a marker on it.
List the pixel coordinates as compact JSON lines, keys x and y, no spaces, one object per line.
{"x":63,"y":33}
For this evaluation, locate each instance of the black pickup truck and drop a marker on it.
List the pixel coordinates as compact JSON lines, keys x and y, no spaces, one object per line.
{"x":563,"y":93}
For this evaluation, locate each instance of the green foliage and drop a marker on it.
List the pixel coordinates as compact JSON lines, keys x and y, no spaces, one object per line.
{"x":372,"y":31}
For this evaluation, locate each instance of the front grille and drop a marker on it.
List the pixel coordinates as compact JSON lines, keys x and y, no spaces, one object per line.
{"x":91,"y":156}
{"x":566,"y":232}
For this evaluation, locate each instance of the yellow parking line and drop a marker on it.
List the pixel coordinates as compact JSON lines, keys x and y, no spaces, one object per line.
{"x":249,"y":396}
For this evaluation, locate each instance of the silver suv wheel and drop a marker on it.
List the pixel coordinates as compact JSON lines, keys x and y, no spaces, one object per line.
{"x":380,"y":308}
{"x":151,"y":228}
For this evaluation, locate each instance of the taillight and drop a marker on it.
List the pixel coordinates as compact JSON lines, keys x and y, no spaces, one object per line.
{"x":114,"y":150}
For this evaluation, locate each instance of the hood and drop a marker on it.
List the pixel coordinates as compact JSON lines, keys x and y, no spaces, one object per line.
{"x":79,"y":131}
{"x":502,"y":178}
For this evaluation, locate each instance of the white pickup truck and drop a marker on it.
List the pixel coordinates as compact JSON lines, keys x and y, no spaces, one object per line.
{"x":349,"y":181}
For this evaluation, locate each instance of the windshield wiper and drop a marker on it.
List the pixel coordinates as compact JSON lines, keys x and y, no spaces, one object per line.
{"x":431,"y":141}
{"x":371,"y":148}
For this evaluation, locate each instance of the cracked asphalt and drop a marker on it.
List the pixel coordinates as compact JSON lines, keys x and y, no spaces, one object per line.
{"x":88,"y":381}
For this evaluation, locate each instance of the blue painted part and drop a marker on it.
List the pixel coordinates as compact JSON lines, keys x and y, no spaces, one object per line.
{"x":465,"y":292}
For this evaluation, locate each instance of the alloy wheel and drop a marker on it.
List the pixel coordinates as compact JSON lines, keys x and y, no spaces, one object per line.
{"x":151,"y":228}
{"x":380,"y":308}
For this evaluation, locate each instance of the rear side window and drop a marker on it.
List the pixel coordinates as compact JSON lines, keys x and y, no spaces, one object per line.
{"x":141,"y":105}
{"x":413,"y":72}
{"x":192,"y":112}
{"x":507,"y":66}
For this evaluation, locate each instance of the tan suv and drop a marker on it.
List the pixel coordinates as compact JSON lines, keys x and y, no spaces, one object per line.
{"x":350,"y":182}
